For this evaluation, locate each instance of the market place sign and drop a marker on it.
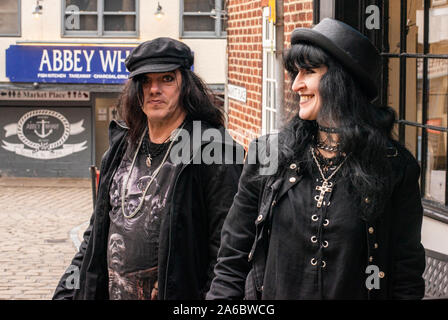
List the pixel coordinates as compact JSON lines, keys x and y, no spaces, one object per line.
{"x":67,"y":64}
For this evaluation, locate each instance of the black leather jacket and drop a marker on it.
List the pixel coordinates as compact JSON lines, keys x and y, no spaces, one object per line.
{"x":190,"y":233}
{"x":393,"y":237}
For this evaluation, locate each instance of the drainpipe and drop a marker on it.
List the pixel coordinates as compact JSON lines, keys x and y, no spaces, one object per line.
{"x":280,"y":76}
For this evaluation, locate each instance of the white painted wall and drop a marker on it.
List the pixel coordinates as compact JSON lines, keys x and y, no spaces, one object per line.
{"x":435,"y":235}
{"x":209,"y":53}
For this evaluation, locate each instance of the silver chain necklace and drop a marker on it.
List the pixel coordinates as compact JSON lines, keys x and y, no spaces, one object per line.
{"x":326,"y":184}
{"x":153,"y":176}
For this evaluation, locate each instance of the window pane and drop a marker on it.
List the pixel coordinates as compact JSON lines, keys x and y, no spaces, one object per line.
{"x":268,"y":121}
{"x":119,"y":23}
{"x":119,"y":5}
{"x":9,"y":23}
{"x":83,"y":5}
{"x":9,"y":19}
{"x":268,"y":95}
{"x":273,"y":102}
{"x":199,"y":5}
{"x":224,"y":16}
{"x":224,"y":25}
{"x":438,"y":90}
{"x":86,"y":22}
{"x":268,"y":64}
{"x":274,"y":121}
{"x":436,"y":166}
{"x":8,"y":6}
{"x":199,"y":23}
{"x":438,"y":29}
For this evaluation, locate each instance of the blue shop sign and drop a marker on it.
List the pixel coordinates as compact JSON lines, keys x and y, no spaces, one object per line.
{"x":67,"y":64}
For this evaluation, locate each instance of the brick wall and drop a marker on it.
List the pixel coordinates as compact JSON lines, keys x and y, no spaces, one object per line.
{"x":244,"y":48}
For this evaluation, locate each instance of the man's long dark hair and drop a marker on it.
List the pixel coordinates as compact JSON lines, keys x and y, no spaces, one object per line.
{"x":366,"y":129}
{"x":195,"y":97}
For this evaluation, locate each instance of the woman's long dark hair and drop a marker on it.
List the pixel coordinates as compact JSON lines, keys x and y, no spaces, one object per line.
{"x":195,"y":97}
{"x":366,"y":129}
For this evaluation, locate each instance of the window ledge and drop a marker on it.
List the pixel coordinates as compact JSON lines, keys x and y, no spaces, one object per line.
{"x":117,"y":36}
{"x":203,"y":37}
{"x":435,"y":211}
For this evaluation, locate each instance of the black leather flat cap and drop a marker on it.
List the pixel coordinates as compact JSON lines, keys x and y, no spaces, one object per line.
{"x":347,"y":45}
{"x":159,"y":55}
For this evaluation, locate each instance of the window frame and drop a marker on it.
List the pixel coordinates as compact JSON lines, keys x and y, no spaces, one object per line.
{"x":269,"y":84}
{"x":100,"y":14}
{"x":216,"y":34}
{"x":19,"y":23}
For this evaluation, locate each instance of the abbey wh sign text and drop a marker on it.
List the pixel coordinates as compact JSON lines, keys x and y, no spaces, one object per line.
{"x":67,"y":64}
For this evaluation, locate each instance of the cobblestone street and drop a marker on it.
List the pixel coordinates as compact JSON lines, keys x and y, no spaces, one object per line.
{"x":41,"y":221}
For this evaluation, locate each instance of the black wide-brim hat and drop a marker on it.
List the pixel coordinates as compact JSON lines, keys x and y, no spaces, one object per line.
{"x":349,"y":47}
{"x":159,"y":55}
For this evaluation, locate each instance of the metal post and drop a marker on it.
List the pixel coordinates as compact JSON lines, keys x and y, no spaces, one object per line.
{"x":403,"y":48}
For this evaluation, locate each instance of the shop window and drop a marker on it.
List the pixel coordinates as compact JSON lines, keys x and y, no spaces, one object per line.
{"x":203,"y":18}
{"x":100,"y":18}
{"x":9,"y":18}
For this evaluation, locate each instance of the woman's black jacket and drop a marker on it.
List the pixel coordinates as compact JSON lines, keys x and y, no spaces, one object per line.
{"x":190,"y":233}
{"x":393,"y":236}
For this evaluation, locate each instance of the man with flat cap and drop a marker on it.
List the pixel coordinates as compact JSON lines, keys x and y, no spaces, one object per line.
{"x":155,"y":229}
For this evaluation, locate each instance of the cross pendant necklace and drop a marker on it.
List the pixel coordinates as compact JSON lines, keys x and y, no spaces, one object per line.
{"x":326,"y":186}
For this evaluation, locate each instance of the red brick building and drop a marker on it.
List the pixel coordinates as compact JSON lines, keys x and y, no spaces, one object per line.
{"x":257,"y":33}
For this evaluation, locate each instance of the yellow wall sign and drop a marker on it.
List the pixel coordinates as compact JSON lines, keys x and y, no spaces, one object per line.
{"x":272,"y":11}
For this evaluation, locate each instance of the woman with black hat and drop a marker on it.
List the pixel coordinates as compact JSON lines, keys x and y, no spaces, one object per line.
{"x":341,"y":218}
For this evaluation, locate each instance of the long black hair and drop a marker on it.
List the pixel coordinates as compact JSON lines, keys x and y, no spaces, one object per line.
{"x":194,"y":97}
{"x":366,"y":129}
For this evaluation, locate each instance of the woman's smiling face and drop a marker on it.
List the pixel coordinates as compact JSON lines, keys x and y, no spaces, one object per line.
{"x":306,"y":84}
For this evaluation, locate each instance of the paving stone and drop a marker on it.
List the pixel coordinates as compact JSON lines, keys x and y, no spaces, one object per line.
{"x":36,"y":218}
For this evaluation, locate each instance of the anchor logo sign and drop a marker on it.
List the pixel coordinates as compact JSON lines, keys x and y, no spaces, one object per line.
{"x":42,"y":134}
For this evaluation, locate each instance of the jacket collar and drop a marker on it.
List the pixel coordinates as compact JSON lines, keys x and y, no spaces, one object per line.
{"x":290,"y":177}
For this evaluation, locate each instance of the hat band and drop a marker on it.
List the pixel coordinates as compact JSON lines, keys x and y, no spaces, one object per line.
{"x":165,"y":60}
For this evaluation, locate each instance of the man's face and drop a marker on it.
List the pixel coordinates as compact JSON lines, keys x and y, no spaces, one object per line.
{"x":161,"y":96}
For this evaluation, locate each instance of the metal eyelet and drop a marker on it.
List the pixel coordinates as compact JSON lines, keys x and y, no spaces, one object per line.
{"x":313,"y":239}
{"x":314,"y":217}
{"x":324,"y":264}
{"x":313,"y":261}
{"x":325,"y":244}
{"x":326,"y":222}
